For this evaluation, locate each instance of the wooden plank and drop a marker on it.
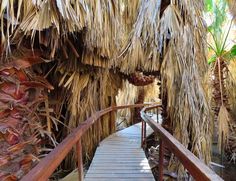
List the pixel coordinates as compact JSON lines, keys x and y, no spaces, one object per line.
{"x":119,"y":157}
{"x":134,"y":142}
{"x":117,"y":154}
{"x":118,"y":167}
{"x":118,"y":147}
{"x":116,"y":143}
{"x":122,"y":159}
{"x":119,"y":175}
{"x":120,"y":152}
{"x":132,"y":137}
{"x":49,"y":164}
{"x":119,"y":163}
{"x":119,"y":179}
{"x":113,"y":150}
{"x":133,"y":171}
{"x":133,"y":145}
{"x":104,"y":148}
{"x":120,"y":140}
{"x":121,"y":167}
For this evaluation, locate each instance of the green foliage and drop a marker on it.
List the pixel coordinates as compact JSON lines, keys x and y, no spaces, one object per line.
{"x":212,"y":59}
{"x":208,"y":5}
{"x":233,"y":51}
{"x":217,"y":9}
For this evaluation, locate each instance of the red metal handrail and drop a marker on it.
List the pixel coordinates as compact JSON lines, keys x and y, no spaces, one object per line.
{"x":196,"y":167}
{"x":45,"y":168}
{"x":49,"y":164}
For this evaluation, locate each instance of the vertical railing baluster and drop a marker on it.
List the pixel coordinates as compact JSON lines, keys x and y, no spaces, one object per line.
{"x":157,"y":112}
{"x":142,"y":133}
{"x":80,"y":161}
{"x":161,"y":160}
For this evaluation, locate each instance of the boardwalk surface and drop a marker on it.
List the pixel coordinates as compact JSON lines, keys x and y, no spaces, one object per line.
{"x":119,"y":157}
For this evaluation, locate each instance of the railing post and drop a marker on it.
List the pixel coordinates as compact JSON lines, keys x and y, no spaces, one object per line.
{"x":142,"y":133}
{"x":80,"y":161}
{"x":161,"y":159}
{"x":157,"y":113}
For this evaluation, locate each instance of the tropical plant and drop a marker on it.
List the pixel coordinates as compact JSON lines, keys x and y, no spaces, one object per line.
{"x":219,"y":61}
{"x":84,"y":39}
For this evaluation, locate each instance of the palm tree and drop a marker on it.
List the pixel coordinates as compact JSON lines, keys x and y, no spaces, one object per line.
{"x":90,"y":44}
{"x":168,"y":37}
{"x":22,"y":124}
{"x":219,"y":63}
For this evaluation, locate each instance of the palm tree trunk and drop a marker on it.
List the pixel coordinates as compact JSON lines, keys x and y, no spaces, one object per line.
{"x":137,"y":118}
{"x":20,"y":121}
{"x":220,"y":96}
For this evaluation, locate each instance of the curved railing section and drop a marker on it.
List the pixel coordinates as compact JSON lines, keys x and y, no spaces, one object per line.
{"x":196,"y":167}
{"x":45,"y":168}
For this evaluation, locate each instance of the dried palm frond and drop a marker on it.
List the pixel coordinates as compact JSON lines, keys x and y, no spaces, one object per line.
{"x":127,"y":95}
{"x":129,"y":13}
{"x":152,"y":92}
{"x":95,"y":60}
{"x":220,"y":100}
{"x":170,"y":41}
{"x":37,"y":17}
{"x":174,"y":34}
{"x":89,"y":92}
{"x":232,"y":7}
{"x":53,"y":21}
{"x":231,"y":89}
{"x":104,"y":30}
{"x":166,"y":36}
{"x":141,"y":50}
{"x":223,"y":121}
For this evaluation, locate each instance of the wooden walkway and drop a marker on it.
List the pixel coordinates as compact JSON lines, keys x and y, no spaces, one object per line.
{"x":113,"y":163}
{"x":119,"y":158}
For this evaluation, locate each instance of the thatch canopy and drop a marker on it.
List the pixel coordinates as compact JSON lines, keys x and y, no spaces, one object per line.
{"x":170,"y":39}
{"x":55,"y":25}
{"x":92,"y":43}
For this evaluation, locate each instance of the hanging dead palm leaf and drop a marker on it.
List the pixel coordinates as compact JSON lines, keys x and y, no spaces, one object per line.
{"x":223,"y":129}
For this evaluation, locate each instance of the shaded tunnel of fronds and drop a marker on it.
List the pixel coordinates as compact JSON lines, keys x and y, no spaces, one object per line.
{"x":88,"y":49}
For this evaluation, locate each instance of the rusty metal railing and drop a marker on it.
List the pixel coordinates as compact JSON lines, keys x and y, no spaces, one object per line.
{"x":196,"y":167}
{"x":46,"y":167}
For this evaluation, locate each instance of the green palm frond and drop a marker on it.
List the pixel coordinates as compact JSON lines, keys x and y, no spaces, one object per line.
{"x":218,"y":11}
